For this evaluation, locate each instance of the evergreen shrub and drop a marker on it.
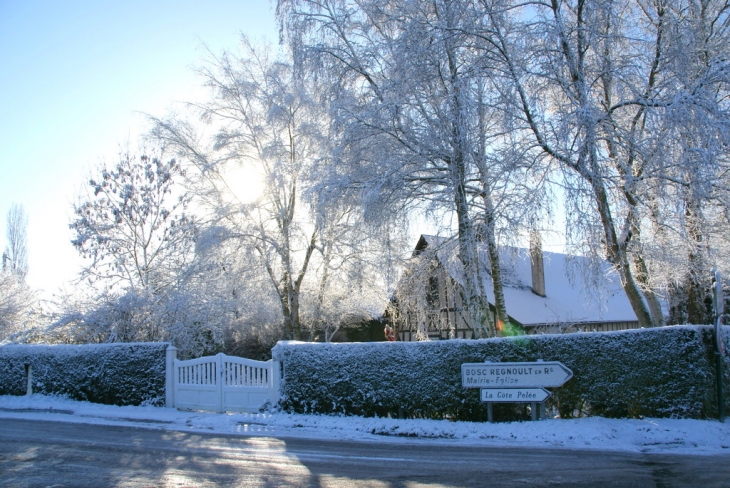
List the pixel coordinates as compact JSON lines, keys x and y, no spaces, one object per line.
{"x":662,"y":372}
{"x":112,"y":374}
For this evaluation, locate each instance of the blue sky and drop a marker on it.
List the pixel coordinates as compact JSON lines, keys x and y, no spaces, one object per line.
{"x":74,"y":77}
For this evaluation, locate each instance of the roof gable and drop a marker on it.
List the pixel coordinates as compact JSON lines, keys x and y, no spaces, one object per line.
{"x":573,"y":294}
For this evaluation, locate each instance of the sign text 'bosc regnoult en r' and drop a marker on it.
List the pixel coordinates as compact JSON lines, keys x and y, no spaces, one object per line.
{"x":514,"y":375}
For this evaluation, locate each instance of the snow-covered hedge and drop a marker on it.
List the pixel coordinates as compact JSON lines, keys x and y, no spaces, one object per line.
{"x":114,"y":374}
{"x":664,"y":372}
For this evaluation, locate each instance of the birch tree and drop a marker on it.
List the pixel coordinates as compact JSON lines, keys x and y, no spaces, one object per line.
{"x":15,"y":256}
{"x":406,"y":83}
{"x":625,"y":100}
{"x":696,"y":122}
{"x":592,"y":82}
{"x":264,"y":118}
{"x":17,"y":299}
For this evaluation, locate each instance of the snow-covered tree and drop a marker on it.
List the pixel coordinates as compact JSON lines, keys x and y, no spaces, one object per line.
{"x":407,"y":86}
{"x":18,"y":302}
{"x":181,"y":317}
{"x":620,"y":105}
{"x":18,"y":306}
{"x":695,"y":133}
{"x":353,"y":268}
{"x":131,"y":223}
{"x":15,"y":256}
{"x":264,"y":119}
{"x":134,"y":224}
{"x":597,"y":84}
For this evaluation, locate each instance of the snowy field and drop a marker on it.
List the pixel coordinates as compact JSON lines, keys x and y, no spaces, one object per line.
{"x":646,"y":435}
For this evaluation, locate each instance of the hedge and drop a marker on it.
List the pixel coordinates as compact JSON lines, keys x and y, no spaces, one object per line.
{"x":113,"y":374}
{"x":662,"y":372}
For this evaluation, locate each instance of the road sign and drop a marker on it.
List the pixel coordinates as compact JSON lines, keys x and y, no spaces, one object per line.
{"x":514,"y":375}
{"x":514,"y":395}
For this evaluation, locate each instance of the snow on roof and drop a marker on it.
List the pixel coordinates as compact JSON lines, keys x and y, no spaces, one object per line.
{"x":572,"y":293}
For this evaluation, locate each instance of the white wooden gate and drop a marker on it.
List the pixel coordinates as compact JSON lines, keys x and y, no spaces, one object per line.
{"x":224,"y":383}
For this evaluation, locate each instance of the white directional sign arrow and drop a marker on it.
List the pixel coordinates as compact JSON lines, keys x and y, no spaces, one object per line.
{"x":514,"y":375}
{"x":514,"y":395}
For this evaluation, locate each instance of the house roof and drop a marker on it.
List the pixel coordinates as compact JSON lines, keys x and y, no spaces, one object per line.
{"x":574,"y":294}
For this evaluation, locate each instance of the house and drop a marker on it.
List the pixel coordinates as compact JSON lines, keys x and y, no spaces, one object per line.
{"x":545,"y":292}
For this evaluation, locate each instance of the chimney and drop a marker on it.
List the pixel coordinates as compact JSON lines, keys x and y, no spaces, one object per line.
{"x":537,"y":264}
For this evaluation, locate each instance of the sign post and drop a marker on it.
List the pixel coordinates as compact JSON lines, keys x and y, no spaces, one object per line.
{"x":718,"y":302}
{"x":514,"y":382}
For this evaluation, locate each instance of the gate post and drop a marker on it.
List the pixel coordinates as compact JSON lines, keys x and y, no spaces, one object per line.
{"x":28,"y":379}
{"x":274,"y":381}
{"x":170,"y":357}
{"x":219,"y":381}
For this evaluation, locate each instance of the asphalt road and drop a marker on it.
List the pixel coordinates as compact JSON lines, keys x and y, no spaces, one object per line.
{"x":38,"y":453}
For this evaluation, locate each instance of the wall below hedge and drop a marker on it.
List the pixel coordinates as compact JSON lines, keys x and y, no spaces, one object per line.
{"x":663,"y":372}
{"x":113,"y":374}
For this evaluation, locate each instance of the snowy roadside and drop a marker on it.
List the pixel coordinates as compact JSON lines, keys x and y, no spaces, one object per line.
{"x":648,"y":435}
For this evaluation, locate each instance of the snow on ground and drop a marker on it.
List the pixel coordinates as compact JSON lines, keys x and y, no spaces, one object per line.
{"x":679,"y":436}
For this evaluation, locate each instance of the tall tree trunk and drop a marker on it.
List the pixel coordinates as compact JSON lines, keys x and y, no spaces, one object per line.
{"x":500,"y":305}
{"x":697,"y":280}
{"x":617,"y":254}
{"x":587,"y":164}
{"x":642,"y":276}
{"x":318,"y":321}
{"x":474,"y":299}
{"x":489,"y":218}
